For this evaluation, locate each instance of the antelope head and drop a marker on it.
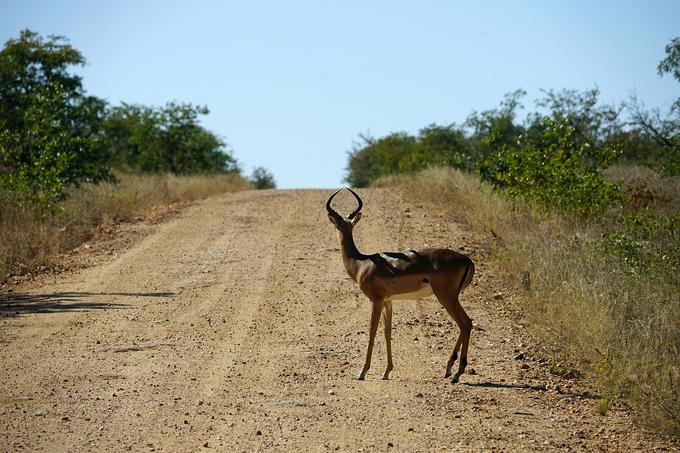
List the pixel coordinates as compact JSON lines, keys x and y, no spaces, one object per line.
{"x":344,"y":225}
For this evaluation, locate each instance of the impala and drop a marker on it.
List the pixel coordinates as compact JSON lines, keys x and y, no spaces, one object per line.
{"x":411,"y":275}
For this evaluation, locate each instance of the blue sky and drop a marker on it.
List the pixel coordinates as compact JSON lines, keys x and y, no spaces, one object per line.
{"x":290,"y":85}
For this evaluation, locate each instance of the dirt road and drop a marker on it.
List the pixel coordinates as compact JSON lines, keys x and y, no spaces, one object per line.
{"x":234,"y":327}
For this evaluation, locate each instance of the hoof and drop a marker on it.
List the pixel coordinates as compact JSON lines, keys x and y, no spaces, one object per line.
{"x":454,"y":380}
{"x":385,"y":377}
{"x":361,"y":377}
{"x":447,"y":374}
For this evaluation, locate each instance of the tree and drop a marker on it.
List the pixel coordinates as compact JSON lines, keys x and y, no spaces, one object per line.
{"x":491,"y":130}
{"x":372,"y":158}
{"x":671,"y":63}
{"x":49,"y":130}
{"x":261,"y":178}
{"x":438,"y":146}
{"x":555,"y":171}
{"x":590,"y":121}
{"x":167,"y":139}
{"x":29,"y":65}
{"x":662,"y":128}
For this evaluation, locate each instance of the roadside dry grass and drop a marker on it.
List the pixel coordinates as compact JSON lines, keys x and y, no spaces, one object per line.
{"x":615,"y":323}
{"x":29,"y":243}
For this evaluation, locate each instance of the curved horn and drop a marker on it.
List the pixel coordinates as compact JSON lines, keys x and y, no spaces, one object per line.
{"x":328,"y":204}
{"x":358,"y":208}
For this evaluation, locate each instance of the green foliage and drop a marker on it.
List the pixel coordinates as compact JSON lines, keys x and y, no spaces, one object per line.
{"x":661,"y":134}
{"x":48,"y":128}
{"x":555,"y":172}
{"x":53,"y":136}
{"x":662,"y":129}
{"x":29,"y":65}
{"x":437,"y":146}
{"x":671,"y":63}
{"x":403,"y":153}
{"x":149,"y":140}
{"x":639,"y":147}
{"x":556,"y":159}
{"x":494,"y":129}
{"x":261,"y":178}
{"x":589,"y":121}
{"x":646,"y":240}
{"x":377,"y":157}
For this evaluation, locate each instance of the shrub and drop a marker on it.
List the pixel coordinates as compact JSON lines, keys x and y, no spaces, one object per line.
{"x":262,"y":179}
{"x":399,"y":152}
{"x":48,"y":137}
{"x":165,"y":139}
{"x":556,"y":172}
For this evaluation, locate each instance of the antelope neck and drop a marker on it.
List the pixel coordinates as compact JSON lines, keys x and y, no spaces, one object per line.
{"x":350,"y":253}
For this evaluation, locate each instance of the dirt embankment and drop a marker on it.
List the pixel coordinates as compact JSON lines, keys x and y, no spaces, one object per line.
{"x":233,"y":326}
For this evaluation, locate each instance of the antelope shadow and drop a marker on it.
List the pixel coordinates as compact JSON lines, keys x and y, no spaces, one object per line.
{"x":536,"y":388}
{"x":14,"y":304}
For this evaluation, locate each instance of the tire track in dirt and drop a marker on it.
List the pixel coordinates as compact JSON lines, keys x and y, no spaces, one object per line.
{"x":234,"y":326}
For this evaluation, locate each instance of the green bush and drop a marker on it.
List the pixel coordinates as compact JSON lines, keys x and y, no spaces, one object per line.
{"x":53,"y":136}
{"x":556,"y":173}
{"x":48,"y":127}
{"x":646,"y":241}
{"x":39,"y":160}
{"x":262,"y":178}
{"x":145,"y":139}
{"x":373,"y":158}
{"x":399,"y":152}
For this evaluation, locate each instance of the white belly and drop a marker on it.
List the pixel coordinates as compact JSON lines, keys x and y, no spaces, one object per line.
{"x":424,"y":291}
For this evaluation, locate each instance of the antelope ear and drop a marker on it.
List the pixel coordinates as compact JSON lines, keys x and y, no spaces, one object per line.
{"x":356,"y":219}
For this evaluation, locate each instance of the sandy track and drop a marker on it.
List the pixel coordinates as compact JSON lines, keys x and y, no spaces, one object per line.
{"x":234,"y":327}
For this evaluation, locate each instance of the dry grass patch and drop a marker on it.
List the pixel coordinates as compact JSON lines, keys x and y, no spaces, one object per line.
{"x":29,"y":243}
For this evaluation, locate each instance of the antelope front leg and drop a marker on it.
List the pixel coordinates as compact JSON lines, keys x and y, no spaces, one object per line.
{"x":387,"y":320}
{"x":375,"y":319}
